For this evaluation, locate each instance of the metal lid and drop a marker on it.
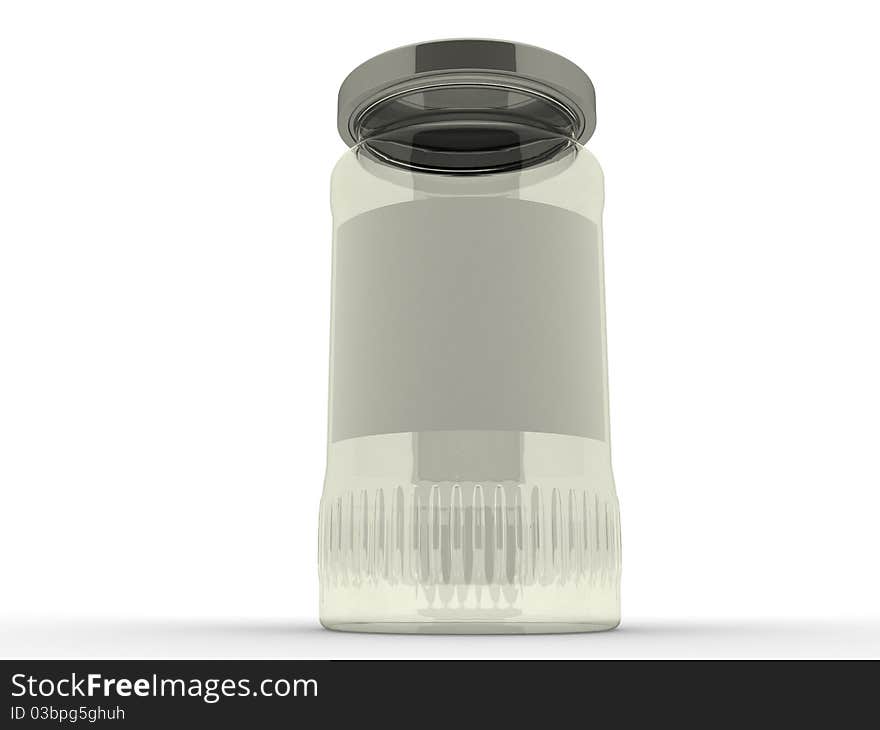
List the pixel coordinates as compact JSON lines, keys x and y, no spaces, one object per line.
{"x":490,"y":87}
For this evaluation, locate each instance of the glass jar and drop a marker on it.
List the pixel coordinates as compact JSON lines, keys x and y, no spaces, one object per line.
{"x":468,"y":485}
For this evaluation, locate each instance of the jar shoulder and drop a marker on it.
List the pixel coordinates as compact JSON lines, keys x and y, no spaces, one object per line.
{"x":574,"y":181}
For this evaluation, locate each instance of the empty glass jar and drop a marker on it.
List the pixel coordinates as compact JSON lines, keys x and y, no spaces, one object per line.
{"x":468,"y":485}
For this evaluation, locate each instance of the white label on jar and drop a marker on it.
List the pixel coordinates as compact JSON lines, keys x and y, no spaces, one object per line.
{"x":467,"y":313}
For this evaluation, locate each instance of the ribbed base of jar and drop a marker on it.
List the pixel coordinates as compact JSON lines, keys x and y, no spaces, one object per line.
{"x":470,"y":558}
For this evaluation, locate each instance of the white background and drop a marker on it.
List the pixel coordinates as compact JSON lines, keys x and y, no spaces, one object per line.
{"x":164,"y":291}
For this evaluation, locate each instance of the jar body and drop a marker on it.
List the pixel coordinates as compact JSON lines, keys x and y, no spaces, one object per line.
{"x":468,"y":485}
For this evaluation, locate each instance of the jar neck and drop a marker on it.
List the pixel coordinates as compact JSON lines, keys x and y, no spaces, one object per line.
{"x":466,"y":128}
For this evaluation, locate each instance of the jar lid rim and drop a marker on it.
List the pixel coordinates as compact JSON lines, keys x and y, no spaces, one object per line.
{"x":466,"y":61}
